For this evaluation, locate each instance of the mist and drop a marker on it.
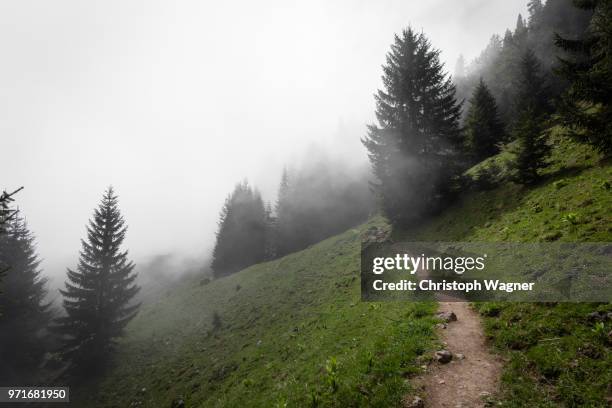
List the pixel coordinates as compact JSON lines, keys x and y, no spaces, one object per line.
{"x":173,"y":103}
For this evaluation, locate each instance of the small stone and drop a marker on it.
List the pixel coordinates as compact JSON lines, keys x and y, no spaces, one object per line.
{"x":443,"y":356}
{"x":441,"y":382}
{"x":485,"y":394}
{"x":459,"y":356}
{"x":416,"y":402}
{"x":441,"y":325}
{"x":447,"y":317}
{"x":596,"y":316}
{"x":178,"y":403}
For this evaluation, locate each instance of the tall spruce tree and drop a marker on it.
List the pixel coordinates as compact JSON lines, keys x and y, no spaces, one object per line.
{"x":532,"y":91}
{"x":285,"y":232}
{"x":6,"y":214}
{"x":586,"y":105}
{"x":243,"y":232}
{"x":98,"y":295}
{"x":414,"y":148}
{"x":530,"y":147}
{"x":536,"y":9}
{"x":25,"y":312}
{"x":484,"y":130}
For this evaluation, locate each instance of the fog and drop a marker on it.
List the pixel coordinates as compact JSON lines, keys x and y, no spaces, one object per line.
{"x":174,"y":102}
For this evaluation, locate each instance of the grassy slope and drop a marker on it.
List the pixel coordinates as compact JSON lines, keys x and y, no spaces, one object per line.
{"x":556,"y":356}
{"x":283,"y":325}
{"x":285,"y":321}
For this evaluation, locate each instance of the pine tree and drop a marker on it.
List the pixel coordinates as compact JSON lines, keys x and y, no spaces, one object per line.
{"x":6,"y":214}
{"x":586,"y":106}
{"x":243,"y":232}
{"x":530,"y":147}
{"x":459,"y":68}
{"x":98,"y":295}
{"x":520,"y":31}
{"x":414,"y":148}
{"x":532,"y":92}
{"x":536,"y":9}
{"x":484,"y":130}
{"x":25,"y":313}
{"x":285,"y":215}
{"x":271,"y":243}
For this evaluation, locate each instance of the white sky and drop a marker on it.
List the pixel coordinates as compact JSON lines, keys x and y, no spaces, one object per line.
{"x":172,"y":102}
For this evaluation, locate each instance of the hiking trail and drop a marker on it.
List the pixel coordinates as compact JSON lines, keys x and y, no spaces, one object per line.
{"x":471,"y":377}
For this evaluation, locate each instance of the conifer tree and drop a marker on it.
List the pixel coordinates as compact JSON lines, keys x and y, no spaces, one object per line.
{"x":25,"y":313}
{"x":536,"y":9}
{"x":270,"y":250}
{"x":243,"y":232}
{"x":484,"y":130}
{"x":530,"y":147}
{"x":99,"y":293}
{"x":586,"y":105}
{"x":532,"y":92}
{"x":459,"y":68}
{"x":414,"y":148}
{"x":285,"y":215}
{"x":520,"y":32}
{"x":6,"y":214}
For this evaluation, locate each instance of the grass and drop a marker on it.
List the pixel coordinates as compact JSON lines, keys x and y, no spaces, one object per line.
{"x":291,"y":332}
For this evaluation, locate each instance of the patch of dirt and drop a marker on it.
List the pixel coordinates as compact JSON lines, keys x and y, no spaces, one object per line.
{"x":467,"y":382}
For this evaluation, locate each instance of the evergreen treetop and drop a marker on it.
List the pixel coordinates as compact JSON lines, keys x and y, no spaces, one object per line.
{"x":532,"y":92}
{"x":484,"y":130}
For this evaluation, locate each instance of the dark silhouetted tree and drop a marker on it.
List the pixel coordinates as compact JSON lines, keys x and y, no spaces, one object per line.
{"x":530,"y":146}
{"x":6,"y":214}
{"x":459,"y":67}
{"x":243,"y":232}
{"x":532,"y":91}
{"x":285,"y":214}
{"x":98,"y":295}
{"x":414,"y":148}
{"x":536,"y":9}
{"x":585,"y":107}
{"x":25,"y":313}
{"x":484,"y":130}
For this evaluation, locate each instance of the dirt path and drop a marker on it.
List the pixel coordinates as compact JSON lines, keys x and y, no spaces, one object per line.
{"x":463,"y":382}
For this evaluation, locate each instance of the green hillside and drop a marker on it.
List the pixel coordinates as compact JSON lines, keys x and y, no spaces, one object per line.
{"x":557,"y":355}
{"x":293,"y":332}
